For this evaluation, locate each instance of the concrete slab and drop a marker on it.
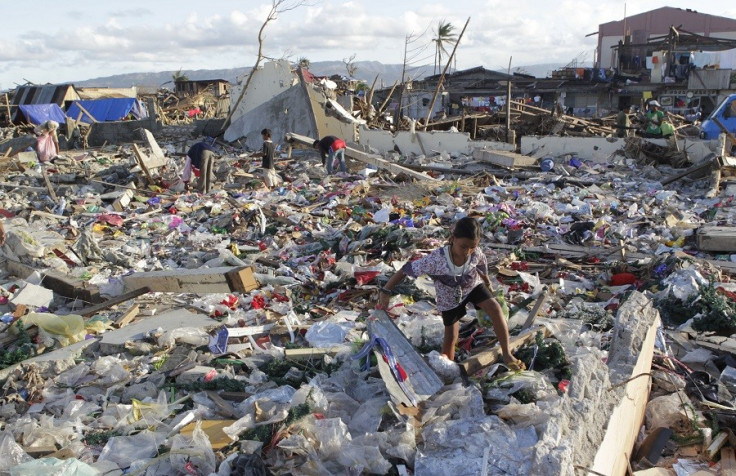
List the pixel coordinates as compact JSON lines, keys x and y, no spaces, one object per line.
{"x":601,"y":149}
{"x":68,"y":353}
{"x":33,"y":295}
{"x":114,"y":341}
{"x":426,"y":143}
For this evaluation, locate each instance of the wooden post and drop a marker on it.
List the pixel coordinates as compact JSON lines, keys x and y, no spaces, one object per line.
{"x":442,"y":76}
{"x":508,"y":103}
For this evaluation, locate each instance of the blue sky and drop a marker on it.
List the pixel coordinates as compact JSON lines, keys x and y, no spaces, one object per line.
{"x":52,"y":41}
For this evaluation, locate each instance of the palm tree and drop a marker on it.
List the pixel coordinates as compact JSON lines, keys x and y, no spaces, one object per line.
{"x":179,"y":76}
{"x":304,"y":62}
{"x":445,"y":36}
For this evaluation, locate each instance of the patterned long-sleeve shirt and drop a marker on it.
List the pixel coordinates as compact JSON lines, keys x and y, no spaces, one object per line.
{"x":447,"y":276}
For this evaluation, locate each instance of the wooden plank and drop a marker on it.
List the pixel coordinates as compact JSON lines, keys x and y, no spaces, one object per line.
{"x":127,"y":316}
{"x":623,"y":425}
{"x":213,"y":429}
{"x":91,"y":310}
{"x":224,"y":408}
{"x":365,"y":158}
{"x":52,"y":193}
{"x":62,"y":284}
{"x":142,"y":162}
{"x":86,"y":112}
{"x":309,"y":353}
{"x":122,"y":202}
{"x":199,"y":281}
{"x":728,"y":462}
{"x":535,"y":310}
{"x":490,"y":357}
{"x":716,"y":238}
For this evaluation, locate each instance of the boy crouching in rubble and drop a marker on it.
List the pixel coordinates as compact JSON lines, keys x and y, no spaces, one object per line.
{"x":460,"y":274}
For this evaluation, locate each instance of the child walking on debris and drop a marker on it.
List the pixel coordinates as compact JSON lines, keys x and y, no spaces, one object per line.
{"x":270,"y":177}
{"x":460,"y":274}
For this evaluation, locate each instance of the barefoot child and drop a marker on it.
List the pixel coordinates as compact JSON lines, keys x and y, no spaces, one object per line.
{"x":460,"y":274}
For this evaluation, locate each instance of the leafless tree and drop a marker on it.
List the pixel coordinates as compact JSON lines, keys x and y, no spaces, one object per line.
{"x":350,"y":65}
{"x":277,"y":7}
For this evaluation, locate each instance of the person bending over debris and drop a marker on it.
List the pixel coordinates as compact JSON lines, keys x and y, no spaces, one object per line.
{"x":460,"y":274}
{"x":47,"y":142}
{"x":270,"y":177}
{"x":200,"y":160}
{"x":331,"y":148}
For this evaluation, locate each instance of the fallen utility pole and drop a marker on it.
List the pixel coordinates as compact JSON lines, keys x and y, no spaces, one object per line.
{"x":363,"y":157}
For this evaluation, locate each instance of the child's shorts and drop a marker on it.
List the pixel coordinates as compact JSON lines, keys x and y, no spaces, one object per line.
{"x":479,"y":294}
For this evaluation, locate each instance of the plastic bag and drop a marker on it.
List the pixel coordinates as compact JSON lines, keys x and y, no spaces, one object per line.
{"x":124,"y":450}
{"x":196,"y":453}
{"x":53,"y":467}
{"x":13,"y":453}
{"x":66,"y":329}
{"x":325,"y":334}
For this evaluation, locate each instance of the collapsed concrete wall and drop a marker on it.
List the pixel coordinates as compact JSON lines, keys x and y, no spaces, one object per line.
{"x":584,"y":419}
{"x":118,"y":132}
{"x":601,"y":149}
{"x":425,"y":143}
{"x":278,"y":99}
{"x":269,"y":81}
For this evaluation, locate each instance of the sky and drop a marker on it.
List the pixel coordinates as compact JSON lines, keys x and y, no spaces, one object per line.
{"x":54,"y":42}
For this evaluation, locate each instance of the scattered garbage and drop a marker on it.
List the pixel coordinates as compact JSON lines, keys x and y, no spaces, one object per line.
{"x":153,"y":330}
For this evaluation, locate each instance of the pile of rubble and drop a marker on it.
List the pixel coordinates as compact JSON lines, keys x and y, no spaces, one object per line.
{"x":150,"y":331}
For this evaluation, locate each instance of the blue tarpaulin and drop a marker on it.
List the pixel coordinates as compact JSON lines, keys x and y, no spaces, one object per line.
{"x":110,"y":109}
{"x":40,"y":113}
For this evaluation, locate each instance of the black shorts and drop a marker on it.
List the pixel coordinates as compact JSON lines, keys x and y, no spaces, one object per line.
{"x":479,"y":294}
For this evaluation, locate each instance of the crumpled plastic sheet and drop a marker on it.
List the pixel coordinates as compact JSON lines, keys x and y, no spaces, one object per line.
{"x":193,"y":453}
{"x":53,"y":467}
{"x":465,"y":446}
{"x":502,"y":388}
{"x":325,"y":334}
{"x":682,"y":284}
{"x":12,"y":453}
{"x":280,"y":401}
{"x":124,"y":450}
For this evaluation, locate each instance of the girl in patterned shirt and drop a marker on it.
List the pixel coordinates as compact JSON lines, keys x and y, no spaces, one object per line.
{"x":460,"y":274}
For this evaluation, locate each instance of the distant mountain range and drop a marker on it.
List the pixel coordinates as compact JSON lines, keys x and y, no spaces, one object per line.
{"x":366,"y":71}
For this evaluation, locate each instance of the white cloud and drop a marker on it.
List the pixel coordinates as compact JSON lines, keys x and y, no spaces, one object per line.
{"x":96,"y":40}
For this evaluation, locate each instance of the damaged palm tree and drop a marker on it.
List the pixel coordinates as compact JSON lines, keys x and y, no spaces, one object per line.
{"x":277,"y":6}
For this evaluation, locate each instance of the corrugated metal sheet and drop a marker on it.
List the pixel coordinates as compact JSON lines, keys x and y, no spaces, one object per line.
{"x":46,"y":94}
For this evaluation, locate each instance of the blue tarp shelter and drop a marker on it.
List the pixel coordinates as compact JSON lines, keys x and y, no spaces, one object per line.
{"x":109,"y":109}
{"x":40,"y":113}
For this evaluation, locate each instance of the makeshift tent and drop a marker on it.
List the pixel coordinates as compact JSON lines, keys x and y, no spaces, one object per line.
{"x":40,"y":113}
{"x":109,"y":109}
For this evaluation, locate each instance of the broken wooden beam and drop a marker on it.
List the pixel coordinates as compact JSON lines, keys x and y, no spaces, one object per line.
{"x":127,"y":316}
{"x":365,"y":158}
{"x":711,"y":161}
{"x":309,"y":353}
{"x":200,"y":281}
{"x":92,"y":310}
{"x":60,"y":283}
{"x":484,"y":359}
{"x":716,"y":238}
